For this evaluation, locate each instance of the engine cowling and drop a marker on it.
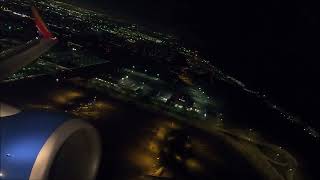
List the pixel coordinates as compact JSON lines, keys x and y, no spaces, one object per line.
{"x":45,"y":145}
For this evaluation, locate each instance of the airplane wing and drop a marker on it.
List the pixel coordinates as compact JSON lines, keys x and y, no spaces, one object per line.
{"x":14,"y":59}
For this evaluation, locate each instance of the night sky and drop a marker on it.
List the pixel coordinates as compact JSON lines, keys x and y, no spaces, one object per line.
{"x":270,"y":45}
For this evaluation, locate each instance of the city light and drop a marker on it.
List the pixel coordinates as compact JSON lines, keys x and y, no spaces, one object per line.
{"x":107,"y":71}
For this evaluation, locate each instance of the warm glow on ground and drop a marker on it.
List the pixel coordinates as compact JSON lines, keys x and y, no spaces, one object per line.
{"x":65,"y":96}
{"x":193,"y":165}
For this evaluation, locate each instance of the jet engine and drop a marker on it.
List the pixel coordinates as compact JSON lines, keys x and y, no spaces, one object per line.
{"x":37,"y":145}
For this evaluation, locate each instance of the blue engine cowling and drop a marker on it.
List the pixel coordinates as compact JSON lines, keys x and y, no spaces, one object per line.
{"x":45,"y":145}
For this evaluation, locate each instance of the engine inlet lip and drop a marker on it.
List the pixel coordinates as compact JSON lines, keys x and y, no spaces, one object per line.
{"x":47,"y":154}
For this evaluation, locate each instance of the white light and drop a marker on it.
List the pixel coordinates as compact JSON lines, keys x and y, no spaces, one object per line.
{"x":1,"y":174}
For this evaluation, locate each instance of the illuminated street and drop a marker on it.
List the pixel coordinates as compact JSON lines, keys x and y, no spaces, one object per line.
{"x":145,"y":90}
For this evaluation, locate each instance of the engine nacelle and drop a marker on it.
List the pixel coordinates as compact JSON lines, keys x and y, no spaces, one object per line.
{"x":47,"y":146}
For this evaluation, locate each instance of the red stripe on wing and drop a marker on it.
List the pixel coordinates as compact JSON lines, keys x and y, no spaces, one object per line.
{"x":42,"y":28}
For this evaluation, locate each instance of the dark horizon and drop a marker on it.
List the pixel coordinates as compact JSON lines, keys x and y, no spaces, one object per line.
{"x":267,"y":45}
{"x":158,"y":90}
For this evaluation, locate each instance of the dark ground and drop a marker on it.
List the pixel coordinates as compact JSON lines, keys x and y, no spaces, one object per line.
{"x":127,"y":131}
{"x":128,"y":127}
{"x":269,"y":45}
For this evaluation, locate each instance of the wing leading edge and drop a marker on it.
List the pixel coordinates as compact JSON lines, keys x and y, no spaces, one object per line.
{"x":14,"y":59}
